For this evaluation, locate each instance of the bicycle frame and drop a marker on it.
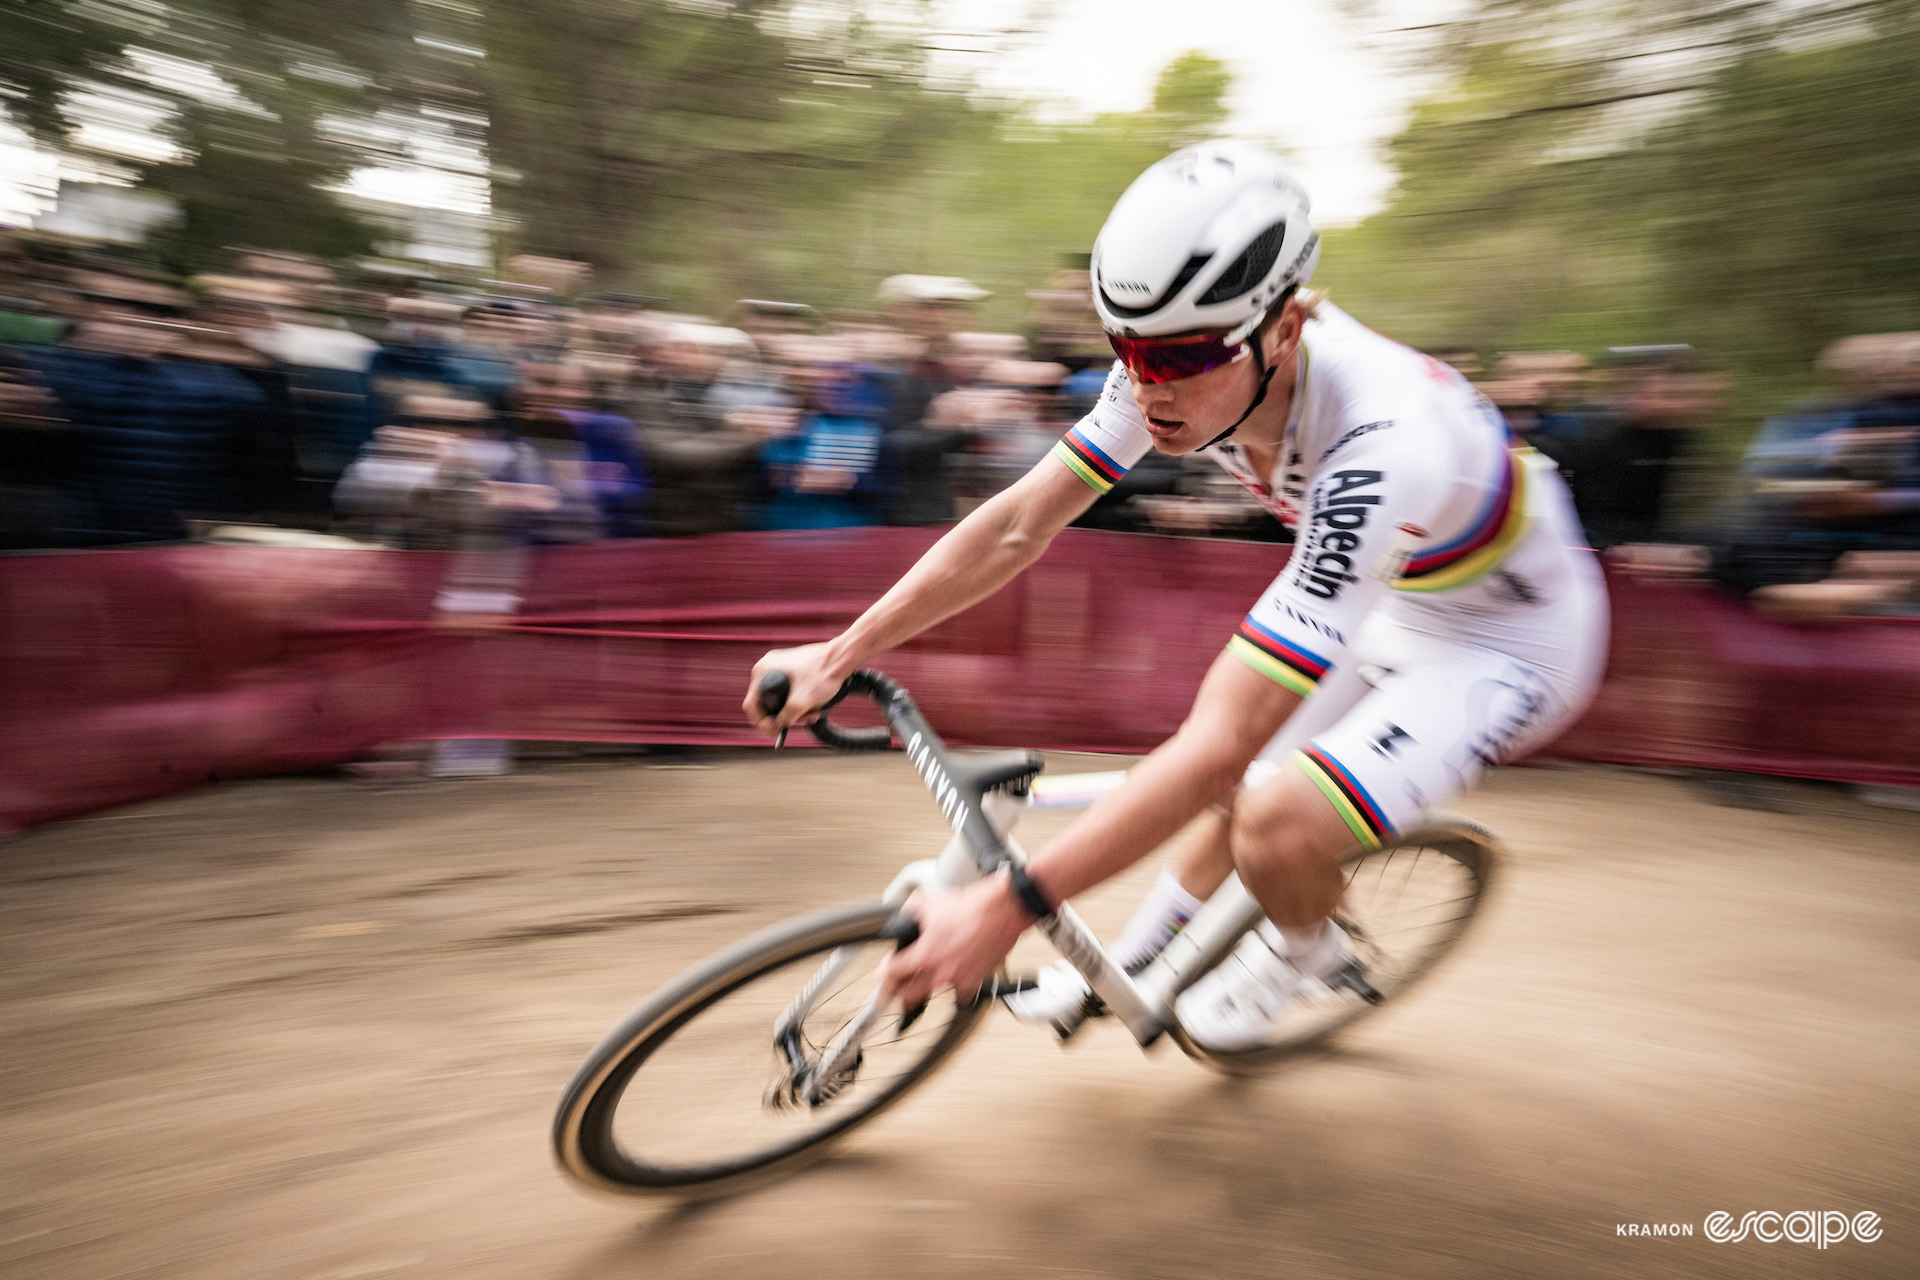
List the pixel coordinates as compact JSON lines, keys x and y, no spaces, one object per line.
{"x":983,"y":816}
{"x":1144,"y":1004}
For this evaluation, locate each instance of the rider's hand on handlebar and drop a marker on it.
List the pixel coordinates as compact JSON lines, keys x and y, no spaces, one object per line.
{"x":814,"y":680}
{"x":965,"y":935}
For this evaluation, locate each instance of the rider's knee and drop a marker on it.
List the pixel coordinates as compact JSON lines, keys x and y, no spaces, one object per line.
{"x":1267,"y":834}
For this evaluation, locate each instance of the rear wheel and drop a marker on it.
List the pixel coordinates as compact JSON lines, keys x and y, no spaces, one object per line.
{"x":694,"y":1094}
{"x":1406,"y":905}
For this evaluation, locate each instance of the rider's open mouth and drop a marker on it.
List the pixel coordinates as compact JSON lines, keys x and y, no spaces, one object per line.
{"x":1164,"y":425}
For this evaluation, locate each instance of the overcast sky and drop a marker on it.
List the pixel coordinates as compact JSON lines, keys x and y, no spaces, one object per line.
{"x":1325,"y":78}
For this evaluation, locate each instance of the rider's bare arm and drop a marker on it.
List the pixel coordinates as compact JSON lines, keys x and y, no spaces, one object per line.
{"x":1237,"y":711}
{"x":979,"y":556}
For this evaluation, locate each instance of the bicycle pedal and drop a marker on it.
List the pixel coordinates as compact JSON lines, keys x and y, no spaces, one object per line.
{"x":1352,"y":978}
{"x":1067,"y":1028}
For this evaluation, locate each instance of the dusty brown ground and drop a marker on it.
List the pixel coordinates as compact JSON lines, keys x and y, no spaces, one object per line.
{"x":306,"y":1029}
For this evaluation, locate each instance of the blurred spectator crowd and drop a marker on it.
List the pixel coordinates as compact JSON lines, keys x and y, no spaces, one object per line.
{"x":1823,"y":517}
{"x":403,"y":411}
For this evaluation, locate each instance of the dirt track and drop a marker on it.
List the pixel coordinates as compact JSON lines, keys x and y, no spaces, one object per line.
{"x":303,"y":1028}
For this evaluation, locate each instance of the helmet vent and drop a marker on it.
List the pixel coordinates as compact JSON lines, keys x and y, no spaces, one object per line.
{"x":1180,"y":281}
{"x":1247,"y":271}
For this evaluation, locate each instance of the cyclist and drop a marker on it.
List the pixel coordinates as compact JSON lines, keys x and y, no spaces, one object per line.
{"x":1439,"y":612}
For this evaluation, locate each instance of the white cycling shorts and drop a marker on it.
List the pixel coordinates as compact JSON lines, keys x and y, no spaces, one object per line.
{"x":1416,"y":712}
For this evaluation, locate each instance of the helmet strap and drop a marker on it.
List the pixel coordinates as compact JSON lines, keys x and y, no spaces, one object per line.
{"x":1266,"y":379}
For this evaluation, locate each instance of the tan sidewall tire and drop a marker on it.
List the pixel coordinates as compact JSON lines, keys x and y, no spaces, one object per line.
{"x":586,"y":1152}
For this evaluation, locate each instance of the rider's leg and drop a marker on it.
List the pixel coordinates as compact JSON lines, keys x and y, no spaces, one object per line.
{"x":1287,"y":840}
{"x":1423,"y":736}
{"x":1203,"y":853}
{"x":1201,"y":856}
{"x":1200,"y":860}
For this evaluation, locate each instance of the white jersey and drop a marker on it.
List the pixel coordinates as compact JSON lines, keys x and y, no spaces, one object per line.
{"x":1395,"y":476}
{"x":1409,"y":500}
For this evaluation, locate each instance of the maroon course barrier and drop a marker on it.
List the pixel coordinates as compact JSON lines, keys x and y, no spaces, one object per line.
{"x":126,"y":674}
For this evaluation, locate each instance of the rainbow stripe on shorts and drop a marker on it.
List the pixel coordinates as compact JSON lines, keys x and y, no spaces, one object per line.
{"x":1494,"y":533}
{"x":1350,"y":800}
{"x":1085,"y":459}
{"x":1278,"y":659}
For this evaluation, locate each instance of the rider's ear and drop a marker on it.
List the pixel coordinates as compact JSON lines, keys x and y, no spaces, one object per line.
{"x":1280,"y":333}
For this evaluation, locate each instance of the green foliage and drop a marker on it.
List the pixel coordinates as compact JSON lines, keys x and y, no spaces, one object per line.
{"x":46,"y":44}
{"x":1792,"y":197}
{"x":240,"y":87}
{"x":1191,"y":95}
{"x":701,"y":151}
{"x":1763,"y":214}
{"x":945,"y":187}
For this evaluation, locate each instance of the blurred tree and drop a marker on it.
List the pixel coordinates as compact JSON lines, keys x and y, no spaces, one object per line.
{"x":971,"y":189}
{"x":222,"y":104}
{"x":622,"y":125}
{"x":1735,"y":175}
{"x":46,"y":46}
{"x":1792,"y":195}
{"x":1190,"y":98}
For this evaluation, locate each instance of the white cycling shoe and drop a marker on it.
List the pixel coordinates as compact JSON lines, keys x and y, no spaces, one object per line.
{"x":1058,"y":998}
{"x":1237,"y":1005}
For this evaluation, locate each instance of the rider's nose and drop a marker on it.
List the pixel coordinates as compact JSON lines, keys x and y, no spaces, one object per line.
{"x":1152,"y":400}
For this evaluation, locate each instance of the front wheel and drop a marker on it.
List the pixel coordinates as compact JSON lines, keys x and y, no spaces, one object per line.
{"x":704,"y":1088}
{"x":1406,"y":905}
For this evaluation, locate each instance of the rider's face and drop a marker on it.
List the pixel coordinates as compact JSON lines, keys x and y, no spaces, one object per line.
{"x":1182,"y":416}
{"x":1185,"y":415}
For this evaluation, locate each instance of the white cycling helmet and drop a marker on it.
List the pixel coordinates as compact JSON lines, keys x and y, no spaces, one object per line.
{"x":1207,"y":238}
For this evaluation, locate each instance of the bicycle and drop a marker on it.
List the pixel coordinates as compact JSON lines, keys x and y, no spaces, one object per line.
{"x":791,"y":1025}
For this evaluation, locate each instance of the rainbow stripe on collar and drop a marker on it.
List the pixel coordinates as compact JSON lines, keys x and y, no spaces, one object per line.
{"x":1084,"y":458}
{"x":1495,"y":532}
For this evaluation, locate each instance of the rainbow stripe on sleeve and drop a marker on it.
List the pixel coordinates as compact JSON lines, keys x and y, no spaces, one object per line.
{"x":1278,"y":659}
{"x":1496,"y":531}
{"x":1084,"y":458}
{"x":1350,"y":800}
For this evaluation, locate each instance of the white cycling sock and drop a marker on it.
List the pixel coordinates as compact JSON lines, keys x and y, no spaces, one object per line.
{"x":1312,"y":949}
{"x":1161,"y":914}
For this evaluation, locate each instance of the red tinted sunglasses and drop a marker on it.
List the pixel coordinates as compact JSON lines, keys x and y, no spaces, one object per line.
{"x":1184,"y":355}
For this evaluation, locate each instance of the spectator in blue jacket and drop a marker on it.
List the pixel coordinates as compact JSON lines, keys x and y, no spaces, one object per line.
{"x":822,"y":469}
{"x":154,"y":438}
